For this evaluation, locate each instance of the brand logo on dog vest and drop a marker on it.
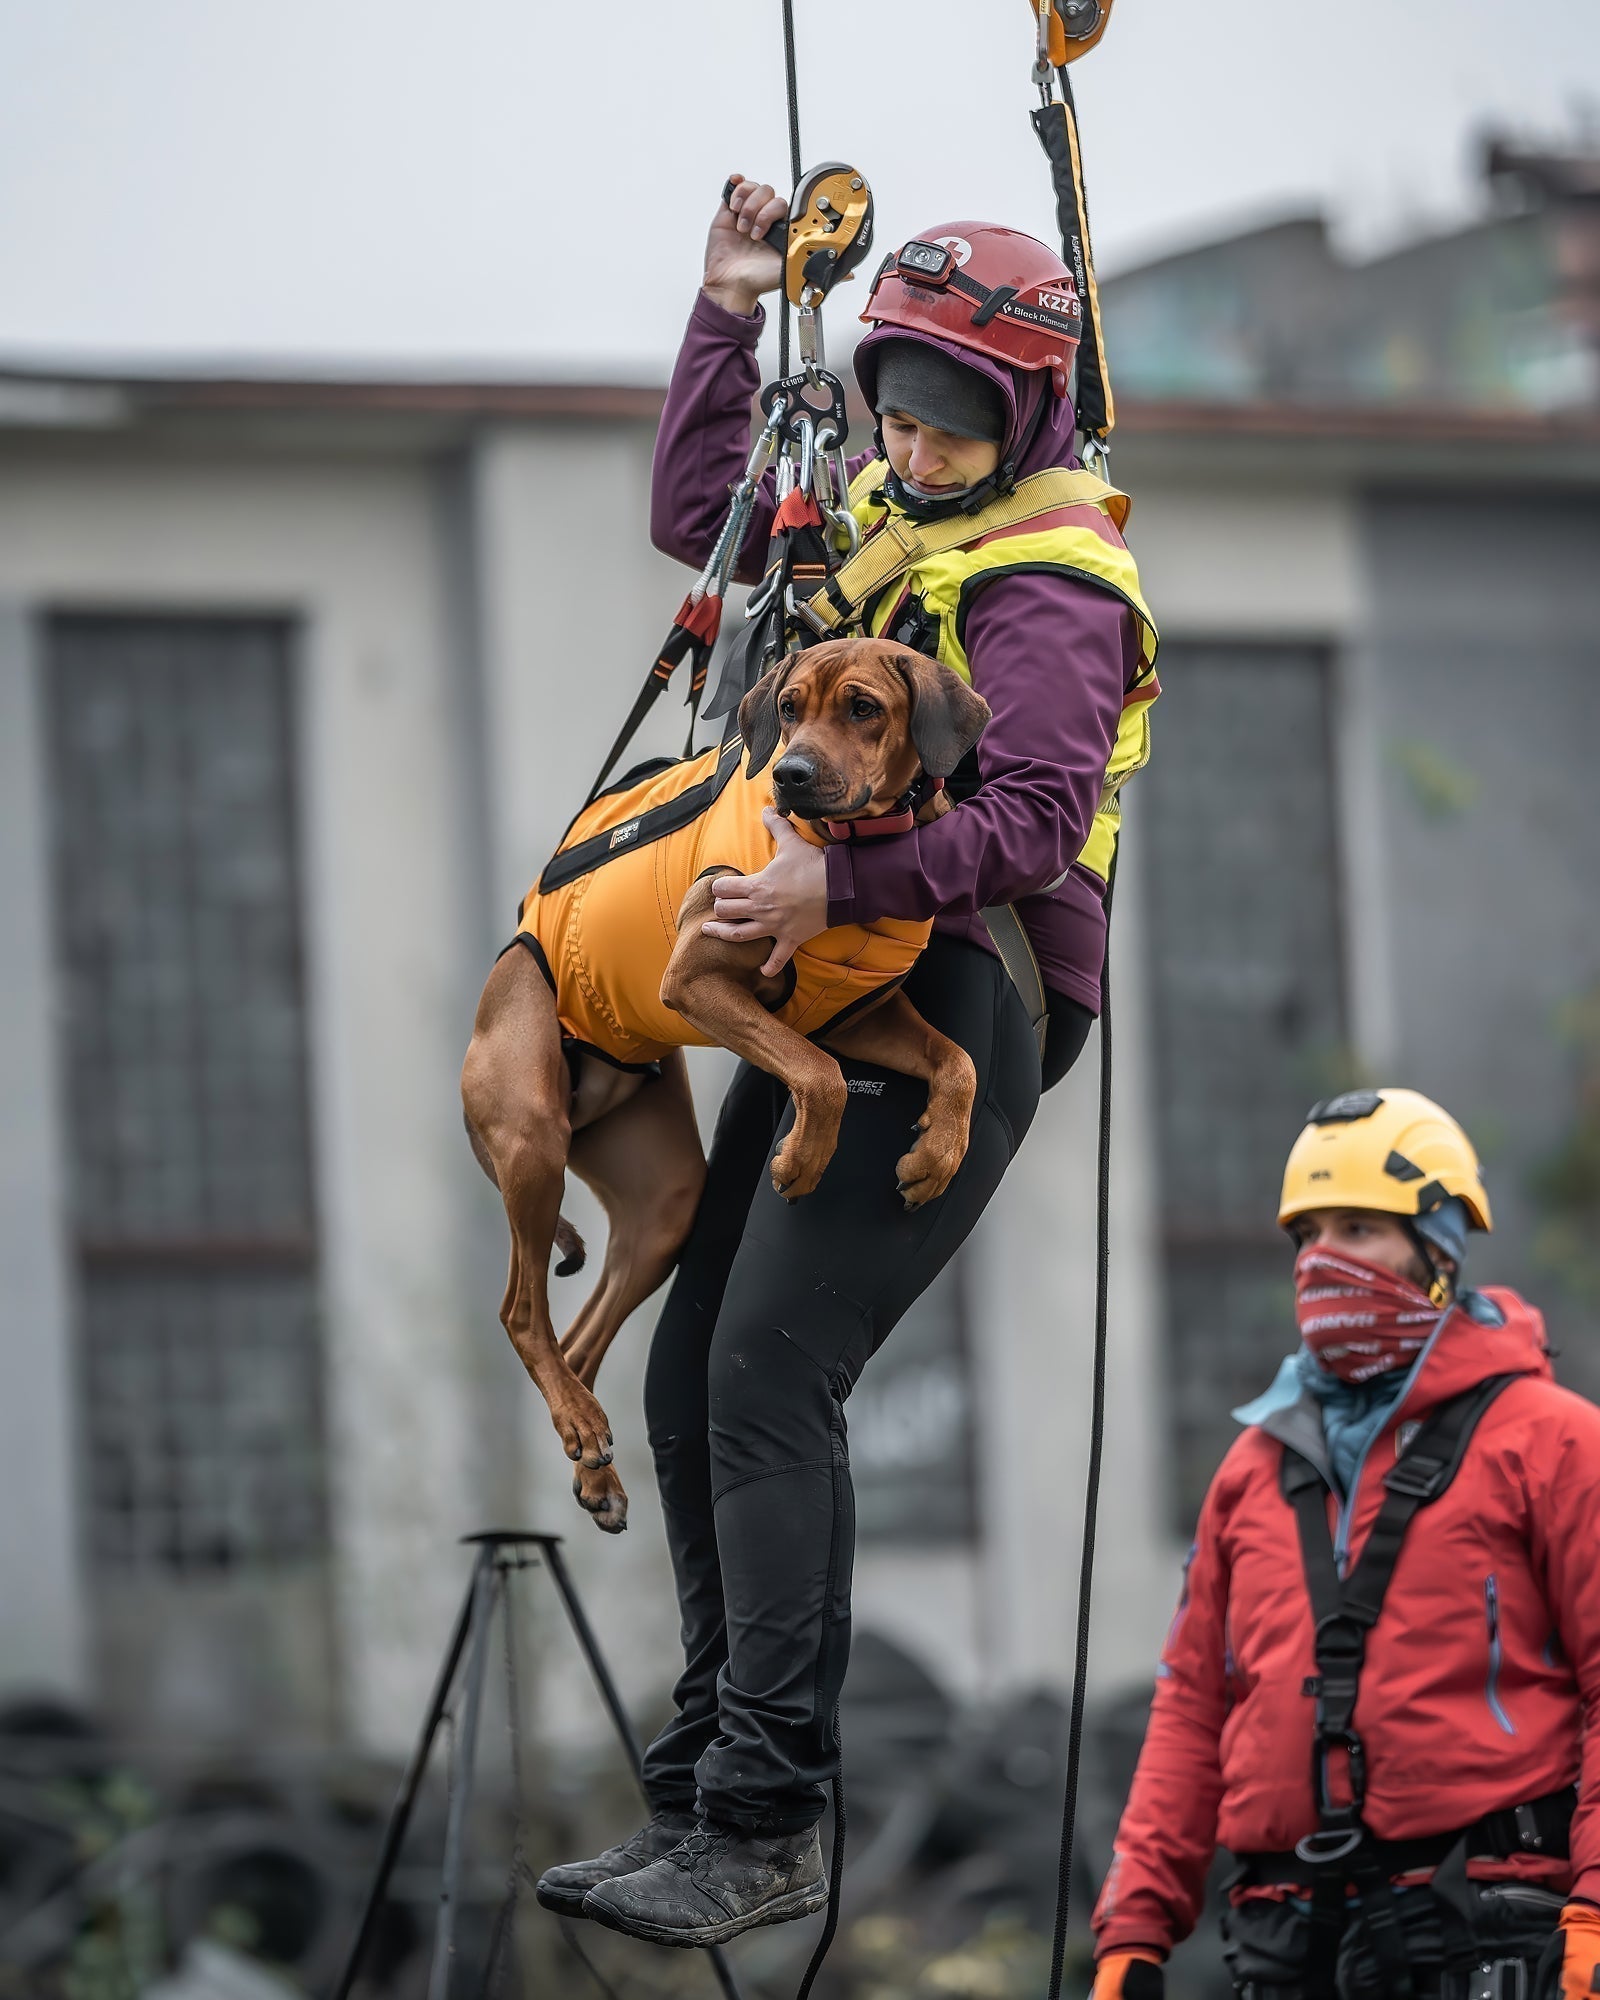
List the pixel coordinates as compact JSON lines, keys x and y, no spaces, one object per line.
{"x":621,"y":835}
{"x":864,"y":1086}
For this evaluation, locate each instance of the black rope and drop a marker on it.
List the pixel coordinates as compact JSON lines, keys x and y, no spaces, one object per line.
{"x":518,"y":1873}
{"x":1091,"y":1498}
{"x":569,"y":1937}
{"x":835,"y":1868}
{"x":792,"y":95}
{"x":793,"y":87}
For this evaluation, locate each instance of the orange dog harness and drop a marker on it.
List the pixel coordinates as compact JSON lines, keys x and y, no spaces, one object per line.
{"x":604,"y":914}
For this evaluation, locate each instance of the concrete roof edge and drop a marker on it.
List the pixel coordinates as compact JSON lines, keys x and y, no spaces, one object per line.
{"x":156,"y":394}
{"x":1364,"y":422}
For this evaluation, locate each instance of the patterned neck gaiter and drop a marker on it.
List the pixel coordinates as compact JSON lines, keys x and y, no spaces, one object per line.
{"x":1359,"y":1320}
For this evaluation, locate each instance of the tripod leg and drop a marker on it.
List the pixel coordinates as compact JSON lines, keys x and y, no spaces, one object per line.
{"x":485,"y":1586}
{"x":583,"y":1631}
{"x":406,"y":1798}
{"x":556,"y":1563}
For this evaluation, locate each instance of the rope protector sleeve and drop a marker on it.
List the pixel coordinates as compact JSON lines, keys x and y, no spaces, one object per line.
{"x":1057,"y":126}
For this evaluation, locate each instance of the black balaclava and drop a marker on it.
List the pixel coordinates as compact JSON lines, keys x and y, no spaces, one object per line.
{"x":923,"y":383}
{"x":936,"y":389}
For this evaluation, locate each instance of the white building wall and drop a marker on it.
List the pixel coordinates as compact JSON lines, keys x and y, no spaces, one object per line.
{"x":349,"y":547}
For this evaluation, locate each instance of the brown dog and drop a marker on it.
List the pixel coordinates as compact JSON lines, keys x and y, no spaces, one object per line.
{"x":860,"y":722}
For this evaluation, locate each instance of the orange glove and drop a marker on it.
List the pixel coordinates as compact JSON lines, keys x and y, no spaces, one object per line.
{"x":1134,"y":1974}
{"x":1580,"y":1953}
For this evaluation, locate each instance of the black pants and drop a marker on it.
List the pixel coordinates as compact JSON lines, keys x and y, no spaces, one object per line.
{"x":775,"y":1311}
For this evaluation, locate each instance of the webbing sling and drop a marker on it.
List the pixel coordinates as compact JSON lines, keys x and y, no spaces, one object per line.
{"x":568,"y":863}
{"x":1010,"y":938}
{"x":900,"y":543}
{"x":1342,"y":1854}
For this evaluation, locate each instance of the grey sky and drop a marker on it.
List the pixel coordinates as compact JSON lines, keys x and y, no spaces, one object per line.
{"x":516,"y":185}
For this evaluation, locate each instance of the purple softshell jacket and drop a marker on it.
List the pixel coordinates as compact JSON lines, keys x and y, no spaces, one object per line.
{"x":1052,"y":657}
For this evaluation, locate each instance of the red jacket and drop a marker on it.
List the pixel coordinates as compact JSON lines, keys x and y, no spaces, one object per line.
{"x":1481,"y":1687}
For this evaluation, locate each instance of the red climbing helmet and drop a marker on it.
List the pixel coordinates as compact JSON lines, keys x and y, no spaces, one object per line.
{"x":983,"y":287}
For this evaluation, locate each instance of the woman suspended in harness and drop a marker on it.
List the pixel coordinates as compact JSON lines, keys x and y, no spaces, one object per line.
{"x":777,"y":1307}
{"x":1378,"y":1690}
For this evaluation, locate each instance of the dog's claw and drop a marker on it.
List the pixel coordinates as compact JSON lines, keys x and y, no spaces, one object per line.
{"x":608,"y":1509}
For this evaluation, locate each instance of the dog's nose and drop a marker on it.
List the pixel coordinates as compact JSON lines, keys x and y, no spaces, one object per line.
{"x":794,"y":772}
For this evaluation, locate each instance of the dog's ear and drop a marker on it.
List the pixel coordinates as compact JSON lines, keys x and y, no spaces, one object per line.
{"x":947,"y":716}
{"x":758,"y":716}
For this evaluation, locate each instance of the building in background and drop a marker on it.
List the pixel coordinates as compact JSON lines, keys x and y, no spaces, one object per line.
{"x":299,"y":684}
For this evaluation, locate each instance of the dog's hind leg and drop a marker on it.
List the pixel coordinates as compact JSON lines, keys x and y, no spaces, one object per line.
{"x":514,"y":1092}
{"x":644,"y":1162}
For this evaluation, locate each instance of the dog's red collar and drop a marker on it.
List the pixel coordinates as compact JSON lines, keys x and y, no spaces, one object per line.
{"x":901,"y":820}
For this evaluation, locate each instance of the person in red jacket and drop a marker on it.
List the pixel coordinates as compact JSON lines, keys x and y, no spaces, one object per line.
{"x":1380,"y":1689}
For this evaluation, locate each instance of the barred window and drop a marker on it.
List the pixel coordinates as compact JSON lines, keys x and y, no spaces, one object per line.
{"x":1248,"y":1004}
{"x":177,"y":920}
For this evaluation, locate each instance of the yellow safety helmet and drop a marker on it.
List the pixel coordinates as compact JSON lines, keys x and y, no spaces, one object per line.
{"x":1392,"y":1150}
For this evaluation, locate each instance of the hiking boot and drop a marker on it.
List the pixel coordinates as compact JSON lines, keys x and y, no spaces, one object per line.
{"x":563,"y":1889}
{"x":713,"y":1885}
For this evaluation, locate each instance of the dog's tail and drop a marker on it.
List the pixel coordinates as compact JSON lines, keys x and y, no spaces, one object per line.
{"x":571,"y":1246}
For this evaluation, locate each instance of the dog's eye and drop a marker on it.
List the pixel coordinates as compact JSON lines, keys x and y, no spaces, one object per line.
{"x":786,"y":710}
{"x":864,"y":710}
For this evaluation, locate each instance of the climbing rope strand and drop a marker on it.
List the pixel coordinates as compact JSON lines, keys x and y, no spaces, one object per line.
{"x":835,"y":1868}
{"x":569,"y":1937}
{"x":791,"y":84}
{"x":1091,"y":1498}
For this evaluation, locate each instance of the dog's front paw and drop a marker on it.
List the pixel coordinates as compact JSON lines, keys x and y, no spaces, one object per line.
{"x":600,"y":1494}
{"x":797,"y":1168}
{"x":802,"y":1159}
{"x":923,"y":1174}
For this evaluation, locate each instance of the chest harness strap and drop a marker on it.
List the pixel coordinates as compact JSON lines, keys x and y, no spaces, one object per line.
{"x":1342,"y":1853}
{"x":898,"y":543}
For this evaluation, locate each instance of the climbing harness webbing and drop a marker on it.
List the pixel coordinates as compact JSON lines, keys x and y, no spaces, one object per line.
{"x":1009,"y":935}
{"x":900,"y":543}
{"x":1342,"y":1854}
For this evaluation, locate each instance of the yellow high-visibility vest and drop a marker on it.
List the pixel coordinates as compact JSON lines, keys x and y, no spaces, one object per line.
{"x":1057,"y":522}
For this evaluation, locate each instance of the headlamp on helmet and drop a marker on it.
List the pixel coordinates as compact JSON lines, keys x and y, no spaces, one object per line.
{"x":926,"y":263}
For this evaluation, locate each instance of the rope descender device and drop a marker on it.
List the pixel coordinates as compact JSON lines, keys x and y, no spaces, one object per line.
{"x":829,"y":232}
